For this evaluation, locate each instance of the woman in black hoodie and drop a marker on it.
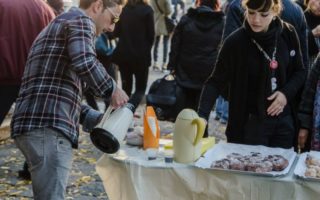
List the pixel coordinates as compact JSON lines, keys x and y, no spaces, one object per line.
{"x":260,"y":70}
{"x":194,"y":47}
{"x":135,"y":31}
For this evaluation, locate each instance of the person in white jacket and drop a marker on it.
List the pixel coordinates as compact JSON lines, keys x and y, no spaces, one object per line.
{"x":161,"y":9}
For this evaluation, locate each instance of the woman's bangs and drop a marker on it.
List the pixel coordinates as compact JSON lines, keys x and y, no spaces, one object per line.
{"x":259,"y":5}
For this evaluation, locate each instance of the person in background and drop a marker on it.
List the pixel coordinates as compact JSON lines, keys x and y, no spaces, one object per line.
{"x":192,"y":60}
{"x":104,"y":50}
{"x":309,"y":111}
{"x":222,"y":106}
{"x":261,"y":81}
{"x":45,"y":122}
{"x":15,"y":18}
{"x":221,"y":110}
{"x":57,"y":6}
{"x":135,"y":31}
{"x":225,"y":6}
{"x":105,"y":54}
{"x":175,"y":4}
{"x":312,"y":14}
{"x":161,"y":9}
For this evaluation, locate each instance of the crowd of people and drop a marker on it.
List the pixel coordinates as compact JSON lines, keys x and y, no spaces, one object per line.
{"x":257,"y":61}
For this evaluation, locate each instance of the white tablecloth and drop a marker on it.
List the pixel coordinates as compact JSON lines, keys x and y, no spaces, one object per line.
{"x":128,"y":175}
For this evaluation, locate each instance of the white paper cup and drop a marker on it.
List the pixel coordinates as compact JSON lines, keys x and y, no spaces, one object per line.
{"x":168,"y":155}
{"x":152,"y":153}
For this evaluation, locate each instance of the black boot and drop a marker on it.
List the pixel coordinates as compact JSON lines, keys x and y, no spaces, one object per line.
{"x":24,"y":173}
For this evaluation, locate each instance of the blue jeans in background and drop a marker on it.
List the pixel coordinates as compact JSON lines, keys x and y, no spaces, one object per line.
{"x":165,"y":48}
{"x":222,"y":109}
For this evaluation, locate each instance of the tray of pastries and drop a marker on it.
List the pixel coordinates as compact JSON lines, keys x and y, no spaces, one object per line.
{"x":308,"y":166}
{"x":248,"y":159}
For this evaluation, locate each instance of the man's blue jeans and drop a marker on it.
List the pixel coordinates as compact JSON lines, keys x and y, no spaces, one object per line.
{"x":49,"y":156}
{"x":165,"y":48}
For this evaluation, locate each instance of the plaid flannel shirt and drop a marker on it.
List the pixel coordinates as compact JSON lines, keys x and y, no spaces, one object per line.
{"x":61,"y":58}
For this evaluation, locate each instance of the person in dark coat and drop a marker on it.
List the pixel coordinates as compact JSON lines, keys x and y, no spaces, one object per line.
{"x":15,"y":43}
{"x":194,"y":48}
{"x":15,"y":17}
{"x":261,"y":80}
{"x":312,"y":14}
{"x":291,"y":13}
{"x":309,"y":111}
{"x":135,"y":31}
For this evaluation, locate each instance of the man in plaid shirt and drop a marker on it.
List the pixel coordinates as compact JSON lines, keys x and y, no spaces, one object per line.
{"x":45,"y":123}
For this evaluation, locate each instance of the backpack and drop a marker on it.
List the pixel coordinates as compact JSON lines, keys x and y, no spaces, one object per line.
{"x":164,"y":96}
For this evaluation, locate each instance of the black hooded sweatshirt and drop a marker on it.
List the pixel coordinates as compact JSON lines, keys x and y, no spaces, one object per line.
{"x":135,"y":31}
{"x":195,"y":45}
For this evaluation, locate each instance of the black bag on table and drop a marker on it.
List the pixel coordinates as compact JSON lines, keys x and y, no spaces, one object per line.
{"x":165,"y":97}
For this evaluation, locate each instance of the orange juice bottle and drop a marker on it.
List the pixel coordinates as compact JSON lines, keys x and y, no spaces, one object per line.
{"x":151,"y":129}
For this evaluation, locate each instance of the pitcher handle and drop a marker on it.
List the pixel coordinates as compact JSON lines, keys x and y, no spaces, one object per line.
{"x":201,"y":125}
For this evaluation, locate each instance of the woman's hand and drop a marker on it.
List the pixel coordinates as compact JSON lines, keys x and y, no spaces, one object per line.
{"x":279,"y":102}
{"x":302,"y":138}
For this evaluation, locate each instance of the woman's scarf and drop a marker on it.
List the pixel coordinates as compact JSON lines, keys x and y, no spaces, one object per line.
{"x":267,"y":40}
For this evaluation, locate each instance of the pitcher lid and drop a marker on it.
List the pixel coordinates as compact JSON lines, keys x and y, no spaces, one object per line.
{"x":188,"y":114}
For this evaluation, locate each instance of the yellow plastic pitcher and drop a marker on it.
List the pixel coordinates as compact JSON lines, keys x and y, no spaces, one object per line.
{"x":188,"y":132}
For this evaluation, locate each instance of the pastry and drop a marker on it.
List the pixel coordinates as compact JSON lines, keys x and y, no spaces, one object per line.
{"x":253,"y":162}
{"x":313,"y":167}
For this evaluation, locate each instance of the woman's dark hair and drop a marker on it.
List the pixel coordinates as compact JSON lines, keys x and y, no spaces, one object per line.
{"x":209,"y":3}
{"x":263,"y":5}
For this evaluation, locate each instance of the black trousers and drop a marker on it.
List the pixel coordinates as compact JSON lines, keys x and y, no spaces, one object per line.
{"x":190,"y":98}
{"x":141,"y":78}
{"x":8,"y":94}
{"x":272,"y":132}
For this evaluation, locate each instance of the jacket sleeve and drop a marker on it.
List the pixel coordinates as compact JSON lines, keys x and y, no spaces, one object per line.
{"x":89,"y":117}
{"x":312,"y":44}
{"x":175,"y":44}
{"x":296,"y":81}
{"x":234,"y":19}
{"x":217,"y":81}
{"x":302,"y":31}
{"x":305,"y":114}
{"x":81,"y":50}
